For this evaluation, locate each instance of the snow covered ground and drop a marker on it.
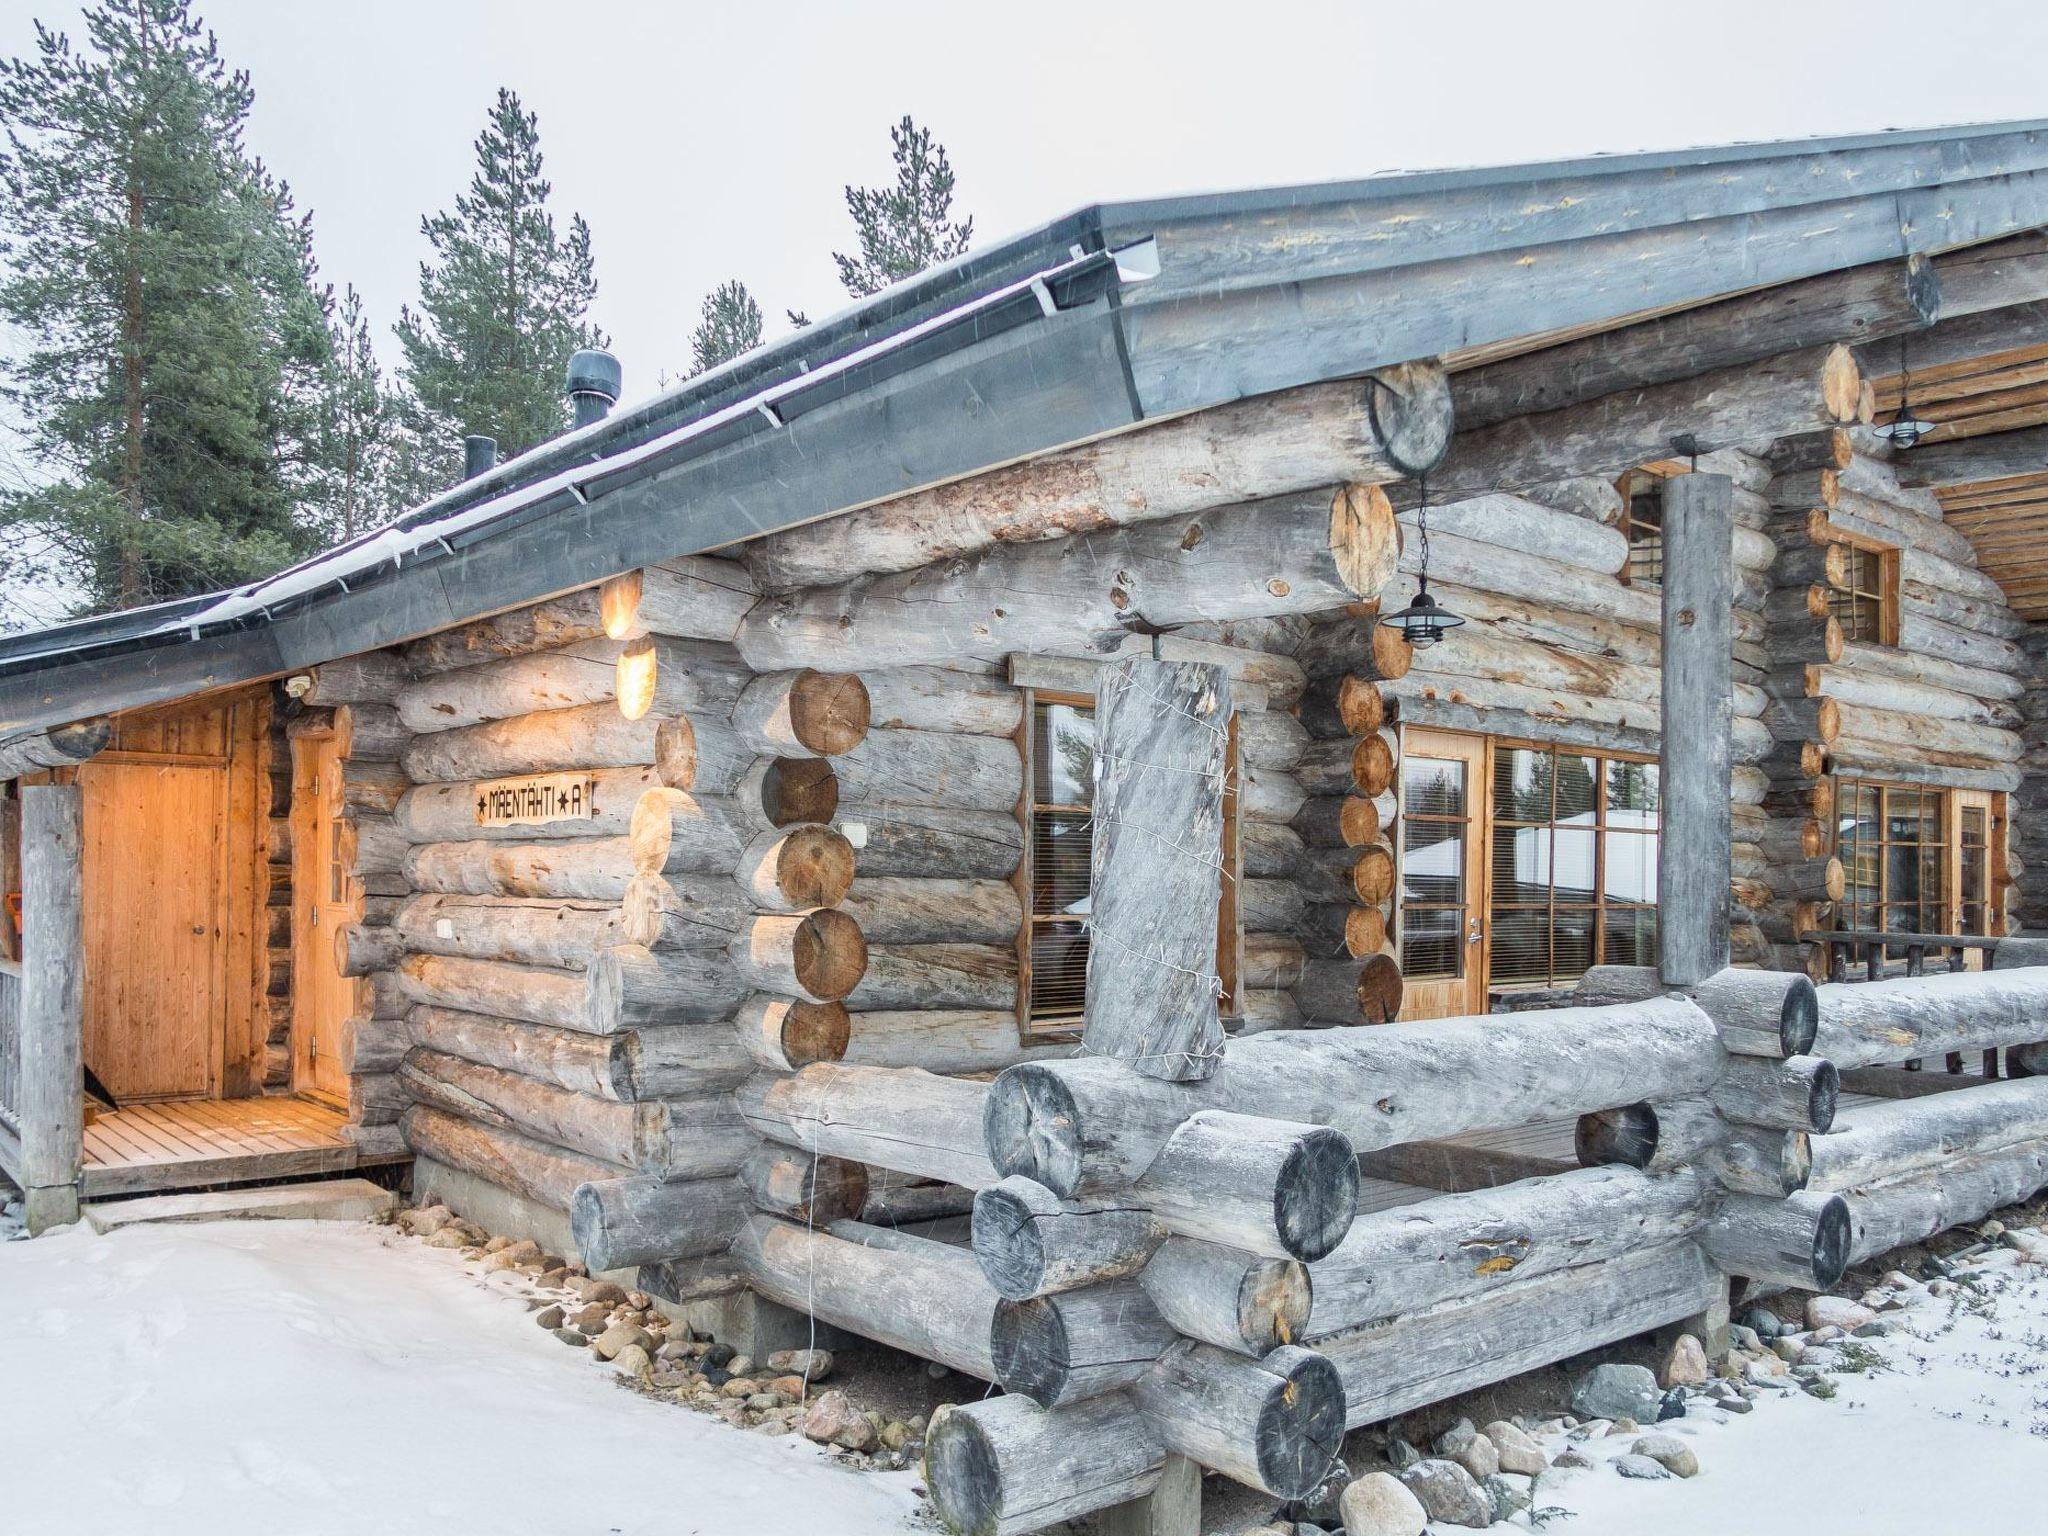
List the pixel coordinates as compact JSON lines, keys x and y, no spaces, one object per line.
{"x":1950,"y":1435}
{"x":285,"y":1378}
{"x":288,"y":1378}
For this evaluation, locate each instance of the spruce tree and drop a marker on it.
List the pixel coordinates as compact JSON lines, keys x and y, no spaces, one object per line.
{"x":908,"y":227}
{"x":729,"y":325}
{"x":169,"y":327}
{"x":359,"y":420}
{"x":503,"y":301}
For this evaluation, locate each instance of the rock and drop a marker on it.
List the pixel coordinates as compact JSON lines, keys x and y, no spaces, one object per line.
{"x":1401,"y":1455}
{"x":831,"y":1420}
{"x":1626,"y":1425}
{"x":1685,"y":1363}
{"x":1455,"y":1439}
{"x":741,"y":1365}
{"x":1447,"y":1492}
{"x":791,"y":1387}
{"x":1825,"y":1335}
{"x":668,"y":1373}
{"x":1615,"y":1392}
{"x":524,"y":1251}
{"x":497,"y":1244}
{"x":1836,"y":1312}
{"x":425,"y":1220}
{"x":1572,"y":1459}
{"x":1673,"y":1406}
{"x":896,"y":1435}
{"x":1788,"y":1349}
{"x":1518,"y":1450}
{"x":633,"y":1360}
{"x":496,"y":1263}
{"x":1479,"y":1458}
{"x":1761,"y":1321}
{"x":1747,"y":1339}
{"x":447,"y":1237}
{"x":1991,"y":1229}
{"x":571,"y":1336}
{"x":1323,"y":1505}
{"x":1670,"y":1453}
{"x":617,"y":1337}
{"x":739,"y":1386}
{"x":811,"y":1364}
{"x":1380,"y":1505}
{"x":764,"y":1402}
{"x":1764,"y":1373}
{"x":1640,"y":1466}
{"x":1738,"y":1405}
{"x":554,"y":1279}
{"x":602,"y":1292}
{"x":719,"y":1355}
{"x":1877,"y":1328}
{"x":549,"y":1317}
{"x":639,"y":1300}
{"x":1821,"y":1387}
{"x":1506,"y":1499}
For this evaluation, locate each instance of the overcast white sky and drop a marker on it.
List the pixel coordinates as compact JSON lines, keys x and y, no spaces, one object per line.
{"x":712,"y":141}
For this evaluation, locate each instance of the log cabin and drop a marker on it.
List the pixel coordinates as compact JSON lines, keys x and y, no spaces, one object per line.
{"x":961,"y":825}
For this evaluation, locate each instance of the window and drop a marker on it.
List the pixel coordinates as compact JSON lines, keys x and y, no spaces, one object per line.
{"x":1891,"y":839}
{"x":1973,"y":855}
{"x":1058,"y":828}
{"x":1572,"y":872}
{"x":1642,"y":520}
{"x":1868,"y":606}
{"x":1436,"y":821}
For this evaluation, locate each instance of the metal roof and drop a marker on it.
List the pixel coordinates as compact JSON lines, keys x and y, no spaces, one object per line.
{"x":1114,"y":315}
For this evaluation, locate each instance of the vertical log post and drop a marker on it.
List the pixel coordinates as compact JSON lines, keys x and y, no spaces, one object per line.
{"x":52,"y":1003}
{"x":1693,"y":856}
{"x":1161,"y":735}
{"x":1174,"y":1508}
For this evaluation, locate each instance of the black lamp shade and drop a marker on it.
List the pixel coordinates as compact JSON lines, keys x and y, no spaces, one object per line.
{"x":1424,"y":621}
{"x":1906,"y":429}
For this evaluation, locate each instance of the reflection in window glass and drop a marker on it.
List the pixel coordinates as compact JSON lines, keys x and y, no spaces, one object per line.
{"x":1435,"y":821}
{"x":1890,"y":840}
{"x":1573,"y":869}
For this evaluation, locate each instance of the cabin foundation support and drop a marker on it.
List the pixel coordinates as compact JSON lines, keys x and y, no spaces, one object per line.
{"x":1174,"y":1508}
{"x":52,"y":1020}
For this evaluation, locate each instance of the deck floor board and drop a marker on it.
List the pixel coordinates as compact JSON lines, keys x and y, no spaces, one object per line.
{"x":191,"y":1143}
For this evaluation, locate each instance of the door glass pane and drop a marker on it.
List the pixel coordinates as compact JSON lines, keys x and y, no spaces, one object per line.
{"x":1435,"y":804}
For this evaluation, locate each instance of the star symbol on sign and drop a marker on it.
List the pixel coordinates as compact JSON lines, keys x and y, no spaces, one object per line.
{"x":481,"y":802}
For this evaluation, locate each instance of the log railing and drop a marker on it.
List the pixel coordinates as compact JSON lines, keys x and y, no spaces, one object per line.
{"x":1842,"y":949}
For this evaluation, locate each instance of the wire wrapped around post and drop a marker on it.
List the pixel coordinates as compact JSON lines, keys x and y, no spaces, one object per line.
{"x":1161,"y":755}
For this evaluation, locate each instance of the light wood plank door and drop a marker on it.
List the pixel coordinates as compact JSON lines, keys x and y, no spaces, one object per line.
{"x":1443,"y":874}
{"x":155,"y":940}
{"x":324,"y":900}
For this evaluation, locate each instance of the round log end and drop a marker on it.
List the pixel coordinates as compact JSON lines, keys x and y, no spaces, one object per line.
{"x":1832,"y":639}
{"x":796,"y":789}
{"x":1365,"y":540}
{"x":1626,"y":1135}
{"x":1300,"y":1426}
{"x":1028,"y":1344}
{"x":1372,"y":875}
{"x":675,"y":752}
{"x":1799,"y":1017}
{"x":828,"y":711}
{"x":1316,"y":1194}
{"x":1834,"y":881}
{"x":1833,"y":1234}
{"x":1816,"y":601}
{"x":828,"y":953}
{"x":1358,"y":821}
{"x":1008,"y":1243}
{"x":652,"y":828}
{"x":801,"y":1033}
{"x":618,"y":604}
{"x":1365,"y":932}
{"x":1823,"y":1094}
{"x":1392,"y":652}
{"x":1273,"y":1303}
{"x":1372,"y":766}
{"x":1380,"y":989}
{"x":634,"y":676}
{"x":1797,"y":1161}
{"x":1841,"y":384}
{"x":1827,"y":718}
{"x":1032,"y":1127}
{"x":814,"y":868}
{"x":1360,"y":707}
{"x":1409,"y":406}
{"x":964,"y":1472}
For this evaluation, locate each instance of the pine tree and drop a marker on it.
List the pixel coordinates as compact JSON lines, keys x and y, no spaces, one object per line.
{"x":905,"y":228}
{"x":359,"y":418}
{"x":730,"y":324}
{"x":169,"y":325}
{"x":503,"y":301}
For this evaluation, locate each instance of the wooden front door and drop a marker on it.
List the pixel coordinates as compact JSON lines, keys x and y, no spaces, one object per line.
{"x":324,"y":899}
{"x":1443,"y":886}
{"x":155,"y":926}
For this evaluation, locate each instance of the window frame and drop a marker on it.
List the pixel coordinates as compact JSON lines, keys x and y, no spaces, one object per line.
{"x":1630,"y":485}
{"x":1229,"y":920}
{"x":1943,"y":904}
{"x":1884,"y":599}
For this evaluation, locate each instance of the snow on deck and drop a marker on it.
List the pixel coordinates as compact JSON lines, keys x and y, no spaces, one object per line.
{"x":291,"y":1377}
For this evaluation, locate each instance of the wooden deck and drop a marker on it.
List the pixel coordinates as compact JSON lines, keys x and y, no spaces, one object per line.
{"x":189,"y":1143}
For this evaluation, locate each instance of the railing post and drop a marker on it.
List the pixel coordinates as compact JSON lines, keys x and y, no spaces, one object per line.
{"x":1693,"y":856}
{"x":52,"y":1108}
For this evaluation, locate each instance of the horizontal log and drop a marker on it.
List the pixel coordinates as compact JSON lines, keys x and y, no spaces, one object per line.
{"x":941,"y":976}
{"x":374,"y":677}
{"x":1275,"y":1423}
{"x":621,"y":1223}
{"x":941,"y":699}
{"x":544,"y":1174}
{"x":1959,"y":461}
{"x":525,"y":931}
{"x":1461,"y":1247}
{"x":1867,"y":1023}
{"x":1409,"y":1362}
{"x":661,"y":1061}
{"x":1758,"y":1013}
{"x":1348,"y":991}
{"x":534,"y":994}
{"x":694,"y":597}
{"x":815,"y":1191}
{"x":785,"y":1034}
{"x":1004,"y":1466}
{"x":817,"y":956}
{"x":1801,"y":1241}
{"x":1908,"y":1210}
{"x":1078,"y":1344}
{"x":436,"y":813}
{"x":1297,"y":553}
{"x":1797,"y":1094}
{"x":976,"y":773}
{"x":802,"y":713}
{"x":901,"y":1118}
{"x":1901,"y":1137}
{"x":891,"y":838}
{"x":688,"y":676}
{"x":1249,"y":1304}
{"x":1079,"y":1125}
{"x":895,"y":909}
{"x":1029,"y":1242}
{"x":1378,"y":429}
{"x":546,"y":741}
{"x":1269,"y":1187}
{"x":628,"y":986}
{"x":946,"y":1040}
{"x":371,"y":732}
{"x":586,"y":869}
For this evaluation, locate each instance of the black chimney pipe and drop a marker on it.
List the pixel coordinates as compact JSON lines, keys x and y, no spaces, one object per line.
{"x":479,"y":455}
{"x":594,"y":380}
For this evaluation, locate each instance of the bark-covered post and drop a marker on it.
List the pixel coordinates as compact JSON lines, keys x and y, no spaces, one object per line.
{"x":1693,"y":857}
{"x":52,"y":1003}
{"x":1161,"y":740}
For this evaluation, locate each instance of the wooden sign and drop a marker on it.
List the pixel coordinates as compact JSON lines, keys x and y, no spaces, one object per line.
{"x":536,"y":798}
